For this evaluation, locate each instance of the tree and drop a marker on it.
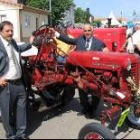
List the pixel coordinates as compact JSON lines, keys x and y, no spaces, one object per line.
{"x":97,"y":23}
{"x":80,"y":15}
{"x":41,"y":4}
{"x":59,"y":8}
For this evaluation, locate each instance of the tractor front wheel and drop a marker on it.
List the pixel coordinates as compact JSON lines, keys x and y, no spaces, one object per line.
{"x":133,"y":120}
{"x":96,"y":131}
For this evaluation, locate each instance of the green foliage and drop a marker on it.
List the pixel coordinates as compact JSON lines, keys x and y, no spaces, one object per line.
{"x":120,"y":21}
{"x":80,"y":15}
{"x":41,"y":4}
{"x":58,"y":7}
{"x":97,"y":23}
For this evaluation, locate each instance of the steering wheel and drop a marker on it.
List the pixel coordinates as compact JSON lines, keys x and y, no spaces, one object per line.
{"x":45,"y":43}
{"x":42,"y":36}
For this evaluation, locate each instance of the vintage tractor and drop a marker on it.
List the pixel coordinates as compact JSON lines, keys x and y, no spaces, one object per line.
{"x":114,"y":77}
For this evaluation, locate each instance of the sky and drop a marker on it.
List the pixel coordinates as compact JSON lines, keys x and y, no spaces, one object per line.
{"x":102,"y":8}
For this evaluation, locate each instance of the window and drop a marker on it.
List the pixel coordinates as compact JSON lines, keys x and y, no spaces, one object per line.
{"x":27,"y":21}
{"x":2,"y":18}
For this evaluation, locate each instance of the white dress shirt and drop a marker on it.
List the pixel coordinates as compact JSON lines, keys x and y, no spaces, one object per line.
{"x":14,"y":72}
{"x":136,"y":38}
{"x":90,"y":43}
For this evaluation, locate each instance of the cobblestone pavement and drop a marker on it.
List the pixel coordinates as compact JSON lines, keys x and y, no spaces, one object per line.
{"x":63,"y":124}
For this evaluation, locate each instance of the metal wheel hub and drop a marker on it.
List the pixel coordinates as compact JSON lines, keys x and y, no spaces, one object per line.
{"x":93,"y":135}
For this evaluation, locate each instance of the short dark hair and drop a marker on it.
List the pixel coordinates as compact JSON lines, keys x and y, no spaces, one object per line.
{"x":4,"y":23}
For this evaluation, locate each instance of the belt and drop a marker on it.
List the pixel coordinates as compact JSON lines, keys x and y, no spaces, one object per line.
{"x":17,"y":81}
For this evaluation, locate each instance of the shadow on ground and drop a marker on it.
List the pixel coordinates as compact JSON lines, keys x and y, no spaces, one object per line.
{"x":36,"y":119}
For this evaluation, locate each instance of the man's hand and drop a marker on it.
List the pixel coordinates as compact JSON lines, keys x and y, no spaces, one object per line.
{"x":105,"y":50}
{"x":3,"y":82}
{"x":52,"y":31}
{"x":31,"y":40}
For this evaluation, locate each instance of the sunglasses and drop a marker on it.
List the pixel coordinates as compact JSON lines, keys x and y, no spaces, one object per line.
{"x":87,"y":31}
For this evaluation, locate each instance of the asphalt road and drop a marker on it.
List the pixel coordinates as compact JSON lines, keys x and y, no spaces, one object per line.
{"x":64,"y":123}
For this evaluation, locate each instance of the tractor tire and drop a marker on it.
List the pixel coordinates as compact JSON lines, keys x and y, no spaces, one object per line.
{"x":133,"y":120}
{"x":62,"y":94}
{"x":68,"y":94}
{"x":96,"y":131}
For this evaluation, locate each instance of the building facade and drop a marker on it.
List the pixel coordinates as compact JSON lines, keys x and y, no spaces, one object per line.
{"x":25,"y":19}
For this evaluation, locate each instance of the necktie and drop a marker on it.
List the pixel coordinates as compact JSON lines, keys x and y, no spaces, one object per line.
{"x":87,"y":44}
{"x":15,"y":61}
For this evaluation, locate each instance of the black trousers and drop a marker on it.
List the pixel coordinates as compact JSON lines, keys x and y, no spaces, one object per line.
{"x":13,"y":109}
{"x":85,"y":103}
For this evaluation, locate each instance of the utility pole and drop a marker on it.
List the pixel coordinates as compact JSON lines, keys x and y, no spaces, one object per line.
{"x":50,"y":9}
{"x":88,"y":15}
{"x":121,"y":16}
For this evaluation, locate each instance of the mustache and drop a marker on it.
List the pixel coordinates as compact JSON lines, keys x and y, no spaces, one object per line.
{"x":10,"y":36}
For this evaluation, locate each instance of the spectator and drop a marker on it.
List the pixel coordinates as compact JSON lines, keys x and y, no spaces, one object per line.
{"x":12,"y":91}
{"x":85,"y":42}
{"x":136,"y":38}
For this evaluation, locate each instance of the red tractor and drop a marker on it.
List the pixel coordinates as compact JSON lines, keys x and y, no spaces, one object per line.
{"x":114,"y":77}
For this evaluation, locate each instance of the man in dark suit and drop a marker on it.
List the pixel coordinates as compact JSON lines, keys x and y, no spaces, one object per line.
{"x":85,"y":42}
{"x":12,"y":91}
{"x":0,"y":117}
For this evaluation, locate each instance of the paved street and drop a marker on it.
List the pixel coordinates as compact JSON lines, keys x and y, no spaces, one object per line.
{"x":63,"y":124}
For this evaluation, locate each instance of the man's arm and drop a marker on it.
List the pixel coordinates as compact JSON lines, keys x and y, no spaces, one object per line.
{"x":63,"y":37}
{"x":67,"y":40}
{"x":3,"y":63}
{"x":101,"y":46}
{"x":24,"y":47}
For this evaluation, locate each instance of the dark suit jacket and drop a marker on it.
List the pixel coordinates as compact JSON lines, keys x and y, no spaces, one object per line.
{"x":80,"y":42}
{"x":4,"y":59}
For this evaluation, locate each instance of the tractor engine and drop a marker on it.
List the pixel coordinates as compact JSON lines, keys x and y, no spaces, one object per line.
{"x":106,"y":75}
{"x":109,"y":75}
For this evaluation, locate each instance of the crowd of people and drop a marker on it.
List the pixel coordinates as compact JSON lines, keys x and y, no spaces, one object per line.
{"x":132,"y":44}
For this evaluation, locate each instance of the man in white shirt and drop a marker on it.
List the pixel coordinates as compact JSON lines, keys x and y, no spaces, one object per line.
{"x":136,"y":38}
{"x":12,"y":91}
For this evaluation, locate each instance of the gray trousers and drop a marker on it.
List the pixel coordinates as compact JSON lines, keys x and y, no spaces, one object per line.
{"x":13,"y":109}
